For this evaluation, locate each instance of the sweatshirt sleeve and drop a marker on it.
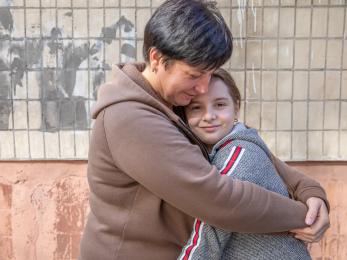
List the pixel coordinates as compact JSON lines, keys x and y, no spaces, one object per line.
{"x":299,"y":185}
{"x":148,"y":147}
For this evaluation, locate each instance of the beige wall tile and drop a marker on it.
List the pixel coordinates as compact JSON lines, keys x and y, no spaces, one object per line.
{"x":269,"y":54}
{"x":142,"y":17}
{"x":65,"y":3}
{"x":252,"y":114}
{"x":287,"y":16}
{"x":319,"y":22}
{"x":268,"y":85}
{"x":21,"y":144}
{"x":334,"y":54}
{"x":65,"y":22}
{"x":112,"y":52}
{"x":300,"y":115}
{"x":253,"y":54}
{"x":254,"y":21}
{"x":343,"y":142}
{"x":225,"y":13}
{"x":82,"y":144}
{"x":35,"y":114}
{"x":284,"y":116}
{"x":283,"y":145}
{"x":67,"y":144}
{"x":304,"y":3}
{"x":299,"y":146}
{"x":36,"y":144}
{"x":238,"y":57}
{"x":330,"y":144}
{"x":96,"y":22}
{"x":253,"y":85}
{"x":32,"y":3}
{"x":238,"y":29}
{"x":18,"y":22}
{"x":48,"y":21}
{"x":331,"y":115}
{"x":80,"y":23}
{"x":268,"y":116}
{"x":284,"y":89}
{"x":269,"y":139}
{"x":271,"y":2}
{"x":335,"y":22}
{"x":6,"y":145}
{"x":48,"y":3}
{"x":315,"y":147}
{"x":127,"y":3}
{"x":332,"y":85}
{"x":300,"y":85}
{"x":285,"y":55}
{"x":320,"y":2}
{"x":317,"y":55}
{"x":84,"y":3}
{"x":316,"y":85}
{"x":288,"y":2}
{"x":20,"y":92}
{"x":113,"y":3}
{"x":270,"y":22}
{"x":344,"y":85}
{"x":343,"y":119}
{"x":20,"y":114}
{"x":33,"y":85}
{"x":139,"y":53}
{"x":52,"y":145}
{"x":315,"y":115}
{"x":33,"y":23}
{"x":112,"y":15}
{"x":96,"y":3}
{"x":303,"y":21}
{"x":301,"y":54}
{"x":344,"y":60}
{"x":129,"y":13}
{"x":239,"y":78}
{"x":156,"y":3}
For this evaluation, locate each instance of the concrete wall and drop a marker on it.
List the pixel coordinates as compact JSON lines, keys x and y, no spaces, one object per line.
{"x":43,"y":206}
{"x":289,"y":61}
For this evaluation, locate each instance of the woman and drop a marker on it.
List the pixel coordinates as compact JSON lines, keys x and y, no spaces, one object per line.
{"x":149,"y":175}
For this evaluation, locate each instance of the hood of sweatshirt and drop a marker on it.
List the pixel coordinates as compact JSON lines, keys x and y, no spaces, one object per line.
{"x":128,"y":84}
{"x":242,"y":132}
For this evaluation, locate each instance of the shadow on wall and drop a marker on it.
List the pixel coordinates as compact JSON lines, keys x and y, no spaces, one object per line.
{"x":61,"y":67}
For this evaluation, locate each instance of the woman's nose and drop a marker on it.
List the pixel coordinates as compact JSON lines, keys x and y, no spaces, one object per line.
{"x":202,"y":84}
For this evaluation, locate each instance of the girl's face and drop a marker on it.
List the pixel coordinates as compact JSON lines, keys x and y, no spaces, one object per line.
{"x":211,"y":115}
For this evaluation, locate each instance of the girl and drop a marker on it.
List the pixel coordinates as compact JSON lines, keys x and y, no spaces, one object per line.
{"x":240,"y":153}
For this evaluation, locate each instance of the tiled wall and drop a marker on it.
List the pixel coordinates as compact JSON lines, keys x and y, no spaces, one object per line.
{"x":289,"y":60}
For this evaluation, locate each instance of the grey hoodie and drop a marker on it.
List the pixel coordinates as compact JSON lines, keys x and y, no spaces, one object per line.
{"x":243,"y":155}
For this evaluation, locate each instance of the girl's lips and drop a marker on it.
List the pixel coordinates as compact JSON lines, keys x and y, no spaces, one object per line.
{"x":210,"y":129}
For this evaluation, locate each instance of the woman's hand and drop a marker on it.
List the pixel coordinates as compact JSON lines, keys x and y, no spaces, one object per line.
{"x":318,"y":220}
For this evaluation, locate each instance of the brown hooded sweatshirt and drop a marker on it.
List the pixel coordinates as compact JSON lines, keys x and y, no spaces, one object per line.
{"x":149,"y":179}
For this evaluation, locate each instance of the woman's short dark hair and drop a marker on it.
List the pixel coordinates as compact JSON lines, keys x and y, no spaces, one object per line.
{"x":192,"y":31}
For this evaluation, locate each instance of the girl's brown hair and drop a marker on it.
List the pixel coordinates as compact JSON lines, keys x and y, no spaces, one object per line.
{"x":229,"y":81}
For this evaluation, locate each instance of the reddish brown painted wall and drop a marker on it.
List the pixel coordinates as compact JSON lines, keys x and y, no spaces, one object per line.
{"x":43,"y":206}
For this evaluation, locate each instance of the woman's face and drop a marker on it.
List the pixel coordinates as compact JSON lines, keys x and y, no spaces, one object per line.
{"x":211,"y":115}
{"x":179,"y":83}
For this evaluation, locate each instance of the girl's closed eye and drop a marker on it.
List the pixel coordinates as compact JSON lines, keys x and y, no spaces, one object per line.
{"x":221,"y":104}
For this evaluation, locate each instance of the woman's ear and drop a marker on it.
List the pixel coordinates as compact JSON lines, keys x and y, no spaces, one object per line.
{"x":154,"y":59}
